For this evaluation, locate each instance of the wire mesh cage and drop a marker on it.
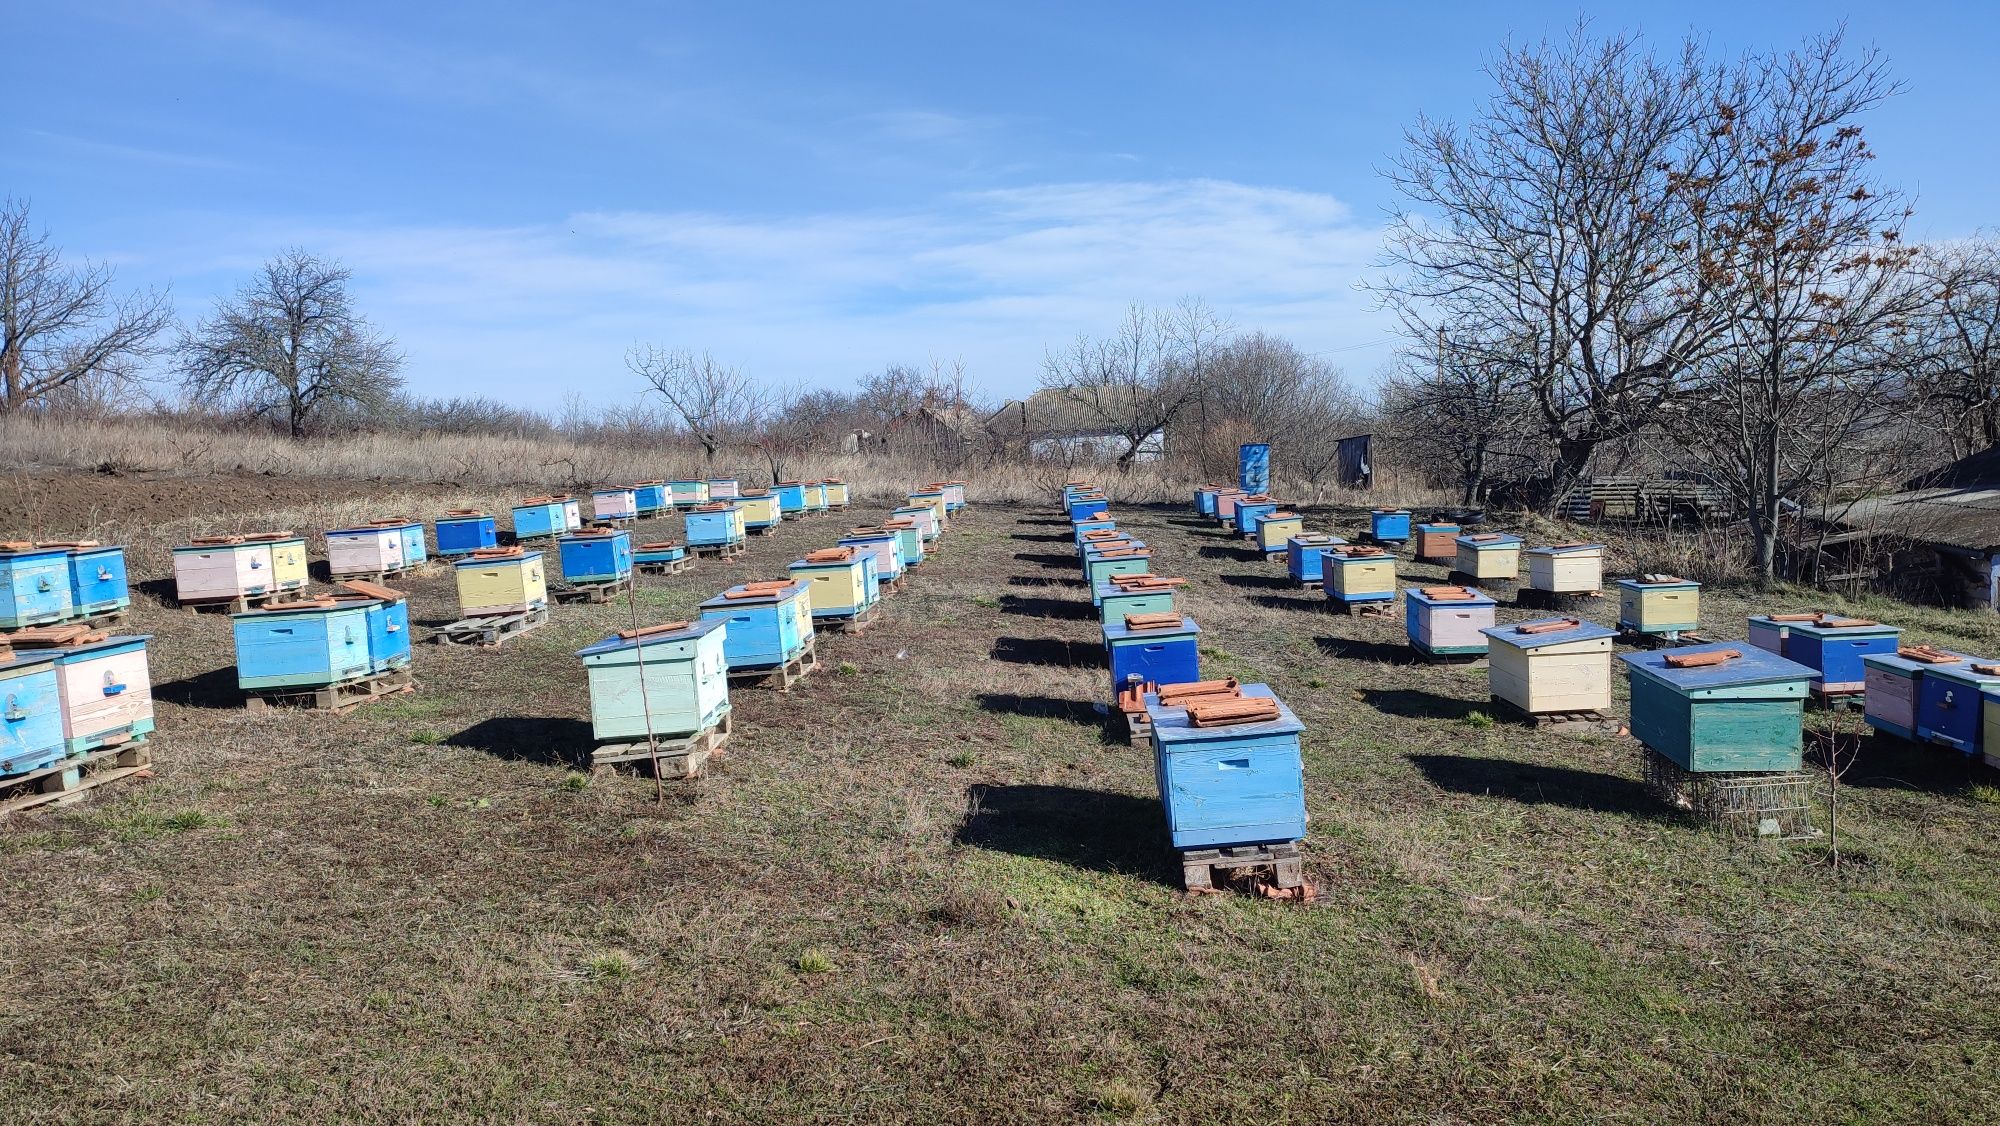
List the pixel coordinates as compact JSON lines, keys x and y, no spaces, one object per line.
{"x":1771,"y":806}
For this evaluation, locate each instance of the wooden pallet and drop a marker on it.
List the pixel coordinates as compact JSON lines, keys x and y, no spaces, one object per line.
{"x":724,"y":551}
{"x":1277,"y":871}
{"x":67,"y":781}
{"x":594,"y":592}
{"x":1590,"y":719}
{"x":1639,"y":640}
{"x":1138,"y":729}
{"x":1311,"y":584}
{"x":674,"y":567}
{"x":787,"y":674}
{"x":682,"y":756}
{"x":240,"y":604}
{"x":371,"y":576}
{"x":1584,"y":601}
{"x":893,"y":586}
{"x":103,"y":619}
{"x":853,"y":623}
{"x":759,"y":529}
{"x":1375,"y":608}
{"x":1466,"y":660}
{"x":336,"y":698}
{"x":1846,"y":699}
{"x":490,"y":631}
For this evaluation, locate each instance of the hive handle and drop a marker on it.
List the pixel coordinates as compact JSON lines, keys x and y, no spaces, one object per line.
{"x":111,"y":685}
{"x":42,"y":583}
{"x":14,"y":712}
{"x":104,"y":574}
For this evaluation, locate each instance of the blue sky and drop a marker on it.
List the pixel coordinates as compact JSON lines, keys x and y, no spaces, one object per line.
{"x":814,"y":190}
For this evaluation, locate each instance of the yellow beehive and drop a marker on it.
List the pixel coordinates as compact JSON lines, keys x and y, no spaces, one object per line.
{"x":500,"y":580}
{"x":1360,"y":574}
{"x":759,"y":510}
{"x":1567,"y":568}
{"x":1492,"y":555}
{"x":935,"y":499}
{"x":1561,"y":665}
{"x":836,"y":493}
{"x":288,"y":558}
{"x":1275,"y":530}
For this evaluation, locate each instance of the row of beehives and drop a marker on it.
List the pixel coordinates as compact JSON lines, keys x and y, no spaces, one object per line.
{"x":1226,"y":755}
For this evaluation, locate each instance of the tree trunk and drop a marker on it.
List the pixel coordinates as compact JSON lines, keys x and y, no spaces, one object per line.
{"x":1572,"y":459}
{"x":11,"y":368}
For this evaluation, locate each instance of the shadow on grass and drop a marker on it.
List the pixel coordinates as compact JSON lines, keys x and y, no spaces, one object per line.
{"x":1048,"y":560}
{"x":1412,"y":703}
{"x":1043,"y":581}
{"x":163,"y":591}
{"x":1308,"y":603}
{"x":1087,"y":829}
{"x":1535,"y":784}
{"x":1024,"y":537}
{"x":1889,"y":763}
{"x":1083,"y":713}
{"x":1045,"y":521}
{"x":1241,"y":554}
{"x":1061,"y":609}
{"x":215,"y":688}
{"x":552,"y":742}
{"x":1387,"y":652}
{"x":1048,"y":651}
{"x":1201,"y":522}
{"x":1260,"y":582}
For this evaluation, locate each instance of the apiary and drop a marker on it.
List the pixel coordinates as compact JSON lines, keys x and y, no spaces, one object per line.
{"x":1249,"y":509}
{"x":770,"y":623}
{"x":760,"y":511}
{"x":836,"y":493}
{"x":1355,"y":575}
{"x":1488,"y":556}
{"x":1275,"y":529}
{"x":462,"y":531}
{"x":842,"y":581}
{"x":883,"y":545}
{"x":500,"y":580}
{"x":1099,"y":566}
{"x":1302,"y":556}
{"x":536,"y":517}
{"x":791,"y":498}
{"x":1437,"y":542}
{"x":388,"y":616}
{"x":595,"y":555}
{"x":1830,"y":644}
{"x":688,"y":493}
{"x":35,"y":584}
{"x":1552,"y":666}
{"x":97,"y":581}
{"x":1161,"y":648}
{"x":214,"y":568}
{"x":1229,"y":767}
{"x":667,"y":680}
{"x":614,"y":504}
{"x":1721,"y":707}
{"x":1389,"y":525}
{"x":1447,"y":621}
{"x":368,"y":550}
{"x":1567,"y":568}
{"x":1659,"y":605}
{"x":649,"y":498}
{"x":309,"y":643}
{"x":716,"y":524}
{"x":1949,"y":706}
{"x":288,"y":557}
{"x":1121,"y":596}
{"x":724,"y":488}
{"x":1894,"y":684}
{"x":31,"y":715}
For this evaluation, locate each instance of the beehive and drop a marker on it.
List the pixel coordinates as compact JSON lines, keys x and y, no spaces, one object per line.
{"x":500,"y":580}
{"x":366,"y":550}
{"x":614,"y":504}
{"x":667,"y":680}
{"x":536,"y":517}
{"x":649,"y":498}
{"x":106,"y":691}
{"x":909,"y":539}
{"x":1083,"y":531}
{"x":934,"y":497}
{"x":1437,"y":541}
{"x":1230,"y":784}
{"x":954,"y":495}
{"x":659,"y":551}
{"x":34,"y":584}
{"x":309,"y":643}
{"x":842,"y":581}
{"x":1162,"y":649}
{"x":1303,"y":552}
{"x":1894,"y":683}
{"x":1099,"y":540}
{"x":688,"y":492}
{"x":1722,"y":707}
{"x":1087,"y":504}
{"x":1830,"y":644}
{"x":1359,"y":574}
{"x":884,"y":546}
{"x":1568,"y":568}
{"x":836,"y":493}
{"x":716,"y":524}
{"x":288,"y":557}
{"x":595,"y":555}
{"x":31,"y":715}
{"x":222,"y":567}
{"x":409,"y":536}
{"x":97,"y":582}
{"x":1204,"y":500}
{"x":1249,"y":509}
{"x":1275,"y":529}
{"x":1389,"y":525}
{"x":1949,"y":705}
{"x":1488,"y":556}
{"x":791,"y":497}
{"x":925,"y":517}
{"x":769,"y":622}
{"x":1664,"y":605}
{"x":1225,"y":504}
{"x":724,"y":488}
{"x":1552,"y":665}
{"x":1126,"y":559}
{"x":462,"y":531}
{"x":1123,"y":595}
{"x":388,"y":622}
{"x":760,"y":510}
{"x":572,"y":512}
{"x":1447,"y":621}
{"x":815,"y":496}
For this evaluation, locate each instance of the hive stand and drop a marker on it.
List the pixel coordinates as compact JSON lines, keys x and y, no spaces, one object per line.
{"x":1590,"y":720}
{"x":722,"y":551}
{"x":238,"y":604}
{"x":787,"y":674}
{"x":1489,"y":585}
{"x":594,"y":592}
{"x":1671,"y":640}
{"x":490,"y":631}
{"x":370,"y":576}
{"x":106,"y":619}
{"x":1464,"y":660}
{"x":672,"y":567}
{"x":1563,"y":602}
{"x":338,"y":698}
{"x":857,"y":622}
{"x":685,"y":756}
{"x":1138,"y":729}
{"x":1366,"y":608}
{"x":66,"y":781}
{"x":1276,"y":871}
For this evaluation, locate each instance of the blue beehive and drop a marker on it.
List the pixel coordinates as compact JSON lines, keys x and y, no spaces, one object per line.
{"x":712,"y":526}
{"x":1389,"y":525}
{"x":884,"y":545}
{"x":1949,"y":707}
{"x":34,"y":585}
{"x":791,"y":497}
{"x":596,"y":555}
{"x":660,"y":551}
{"x":1087,"y":505}
{"x":769,"y":623}
{"x":666,"y":680}
{"x":540,"y":516}
{"x":388,"y":616}
{"x":462,"y":531}
{"x":1080,"y":529}
{"x":1204,"y":500}
{"x":1238,"y":784}
{"x":415,"y":549}
{"x":1168,"y":654}
{"x":1831,"y":645}
{"x":307,"y":644}
{"x":1253,"y":467}
{"x":1302,"y":556}
{"x":1249,"y":509}
{"x":31,"y":718}
{"x":97,"y":583}
{"x":649,"y":498}
{"x":1744,"y":714}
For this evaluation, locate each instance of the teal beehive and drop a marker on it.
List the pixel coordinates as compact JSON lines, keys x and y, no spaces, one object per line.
{"x":1722,"y":707}
{"x":305,"y":644}
{"x":667,"y":680}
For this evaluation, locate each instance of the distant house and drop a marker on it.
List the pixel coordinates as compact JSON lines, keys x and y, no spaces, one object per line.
{"x":1064,"y":425}
{"x":1950,"y":518}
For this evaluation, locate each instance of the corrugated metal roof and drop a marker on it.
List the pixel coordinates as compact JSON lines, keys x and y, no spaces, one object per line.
{"x":1967,"y":518}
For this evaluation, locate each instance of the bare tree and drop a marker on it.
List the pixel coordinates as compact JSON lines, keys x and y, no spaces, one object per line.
{"x":1462,"y":406}
{"x":715,"y":402}
{"x":291,"y":342}
{"x":1953,"y":345}
{"x":1263,"y":388}
{"x":61,"y":326}
{"x":787,"y":418}
{"x":1139,"y":381}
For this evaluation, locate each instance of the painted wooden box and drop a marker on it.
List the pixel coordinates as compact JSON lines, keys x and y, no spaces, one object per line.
{"x":572,"y":512}
{"x":462,"y":531}
{"x":1552,"y":665}
{"x":1389,"y":525}
{"x":843,"y":581}
{"x":1235,"y":785}
{"x":1488,"y":556}
{"x":954,"y":495}
{"x":1989,"y":734}
{"x":1102,"y":539}
{"x":836,"y":493}
{"x":659,"y":551}
{"x":305,"y":644}
{"x":416,"y":545}
{"x":1146,"y":594}
{"x":1948,"y":703}
{"x":97,"y":579}
{"x":883,"y":545}
{"x":816,"y":496}
{"x":935,"y":499}
{"x":1166,"y":655}
{"x":1437,"y":541}
{"x":1830,"y":644}
{"x":724,"y":488}
{"x":1274,"y":530}
{"x":675,"y":675}
{"x":388,"y":616}
{"x":1662,"y":605}
{"x":1303,"y":552}
{"x":31,"y":716}
{"x":221,"y":567}
{"x":649,"y":498}
{"x":926,"y":518}
{"x":366,"y":550}
{"x":34,"y":585}
{"x":106,"y":691}
{"x":760,"y":510}
{"x":540,"y":516}
{"x":1126,"y":559}
{"x":688,"y":492}
{"x":1204,"y":500}
{"x":791,"y":497}
{"x":1089,"y":504}
{"x":596,"y":555}
{"x":1744,"y":714}
{"x":1894,"y":682}
{"x":289,"y":566}
{"x":1568,"y":568}
{"x":718,"y":524}
{"x":1447,"y":621}
{"x":1359,"y":574}
{"x":1225,"y":504}
{"x":500,"y":580}
{"x":614,"y":504}
{"x":1248,"y":511}
{"x":769,"y":622}
{"x":1090,"y":528}
{"x":909,"y":539}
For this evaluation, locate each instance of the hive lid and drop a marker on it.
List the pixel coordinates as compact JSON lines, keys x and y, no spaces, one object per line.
{"x":1172,"y":726}
{"x":1143,"y":582}
{"x":1134,"y":550}
{"x":717,"y":506}
{"x":659,"y":545}
{"x":214,"y":541}
{"x":372,"y":590}
{"x":462,"y":513}
{"x":1657,"y":582}
{"x":389,"y":522}
{"x":648,"y":484}
{"x":1719,"y":664}
{"x":828,"y":555}
{"x":870,"y":533}
{"x":1835,"y":625}
{"x":755,"y":494}
{"x":751,"y":594}
{"x":511,"y":551}
{"x":652,"y":635}
{"x":1566,"y":549}
{"x":1453,"y":595}
{"x":610,"y":490}
{"x":1980,"y":671}
{"x":594,"y":532}
{"x":1489,"y":539}
{"x":363,"y":530}
{"x":271,"y":537}
{"x":1359,"y":551}
{"x":1547,"y":631}
{"x":315,"y":604}
{"x":1316,"y":539}
{"x":67,"y":545}
{"x":549,"y":499}
{"x":1438,"y":527}
{"x":1391,"y":512}
{"x":1118,"y":631}
{"x":55,"y":637}
{"x":24,"y":547}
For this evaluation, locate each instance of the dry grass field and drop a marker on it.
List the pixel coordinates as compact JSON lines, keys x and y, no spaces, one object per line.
{"x":926,"y":887}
